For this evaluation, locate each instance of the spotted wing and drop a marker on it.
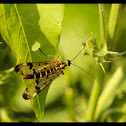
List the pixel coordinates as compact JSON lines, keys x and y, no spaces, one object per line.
{"x":27,"y":68}
{"x":39,"y":84}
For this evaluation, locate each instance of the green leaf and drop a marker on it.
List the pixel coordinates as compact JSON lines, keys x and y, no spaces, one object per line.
{"x":4,"y":75}
{"x":24,"y":25}
{"x":108,"y":91}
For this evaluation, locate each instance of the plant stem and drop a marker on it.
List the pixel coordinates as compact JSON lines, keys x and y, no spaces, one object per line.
{"x":94,"y":96}
{"x":113,"y":20}
{"x":92,"y":102}
{"x":96,"y":88}
{"x":102,"y":26}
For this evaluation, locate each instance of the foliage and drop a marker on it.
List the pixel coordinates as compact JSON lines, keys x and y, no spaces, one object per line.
{"x":73,"y":97}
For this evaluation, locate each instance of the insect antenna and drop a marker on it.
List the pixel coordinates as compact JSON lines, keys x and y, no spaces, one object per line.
{"x":83,"y":69}
{"x":77,"y":55}
{"x":46,"y":55}
{"x":87,"y":73}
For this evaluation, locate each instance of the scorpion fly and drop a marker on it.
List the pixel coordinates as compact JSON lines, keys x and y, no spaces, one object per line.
{"x":43,"y":74}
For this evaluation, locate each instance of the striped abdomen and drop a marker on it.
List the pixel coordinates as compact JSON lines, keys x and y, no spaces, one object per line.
{"x":47,"y":70}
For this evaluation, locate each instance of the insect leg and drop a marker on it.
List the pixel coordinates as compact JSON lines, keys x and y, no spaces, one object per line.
{"x":59,"y":57}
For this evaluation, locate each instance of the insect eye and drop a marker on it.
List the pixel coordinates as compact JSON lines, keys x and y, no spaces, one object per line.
{"x":68,"y":62}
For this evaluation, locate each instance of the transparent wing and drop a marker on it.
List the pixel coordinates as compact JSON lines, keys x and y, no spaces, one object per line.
{"x":27,"y":68}
{"x":39,"y":84}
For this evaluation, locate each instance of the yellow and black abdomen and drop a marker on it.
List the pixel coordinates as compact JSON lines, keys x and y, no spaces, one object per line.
{"x":48,"y":70}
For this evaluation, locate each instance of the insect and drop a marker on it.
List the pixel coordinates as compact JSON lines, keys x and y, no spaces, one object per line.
{"x":43,"y":74}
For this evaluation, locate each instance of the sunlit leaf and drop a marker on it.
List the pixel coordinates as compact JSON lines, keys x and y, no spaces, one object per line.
{"x":22,"y":25}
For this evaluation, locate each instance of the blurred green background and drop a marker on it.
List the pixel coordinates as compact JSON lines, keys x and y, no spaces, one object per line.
{"x":68,"y":96}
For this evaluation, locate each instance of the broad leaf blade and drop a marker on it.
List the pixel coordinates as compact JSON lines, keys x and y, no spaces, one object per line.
{"x":22,"y":25}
